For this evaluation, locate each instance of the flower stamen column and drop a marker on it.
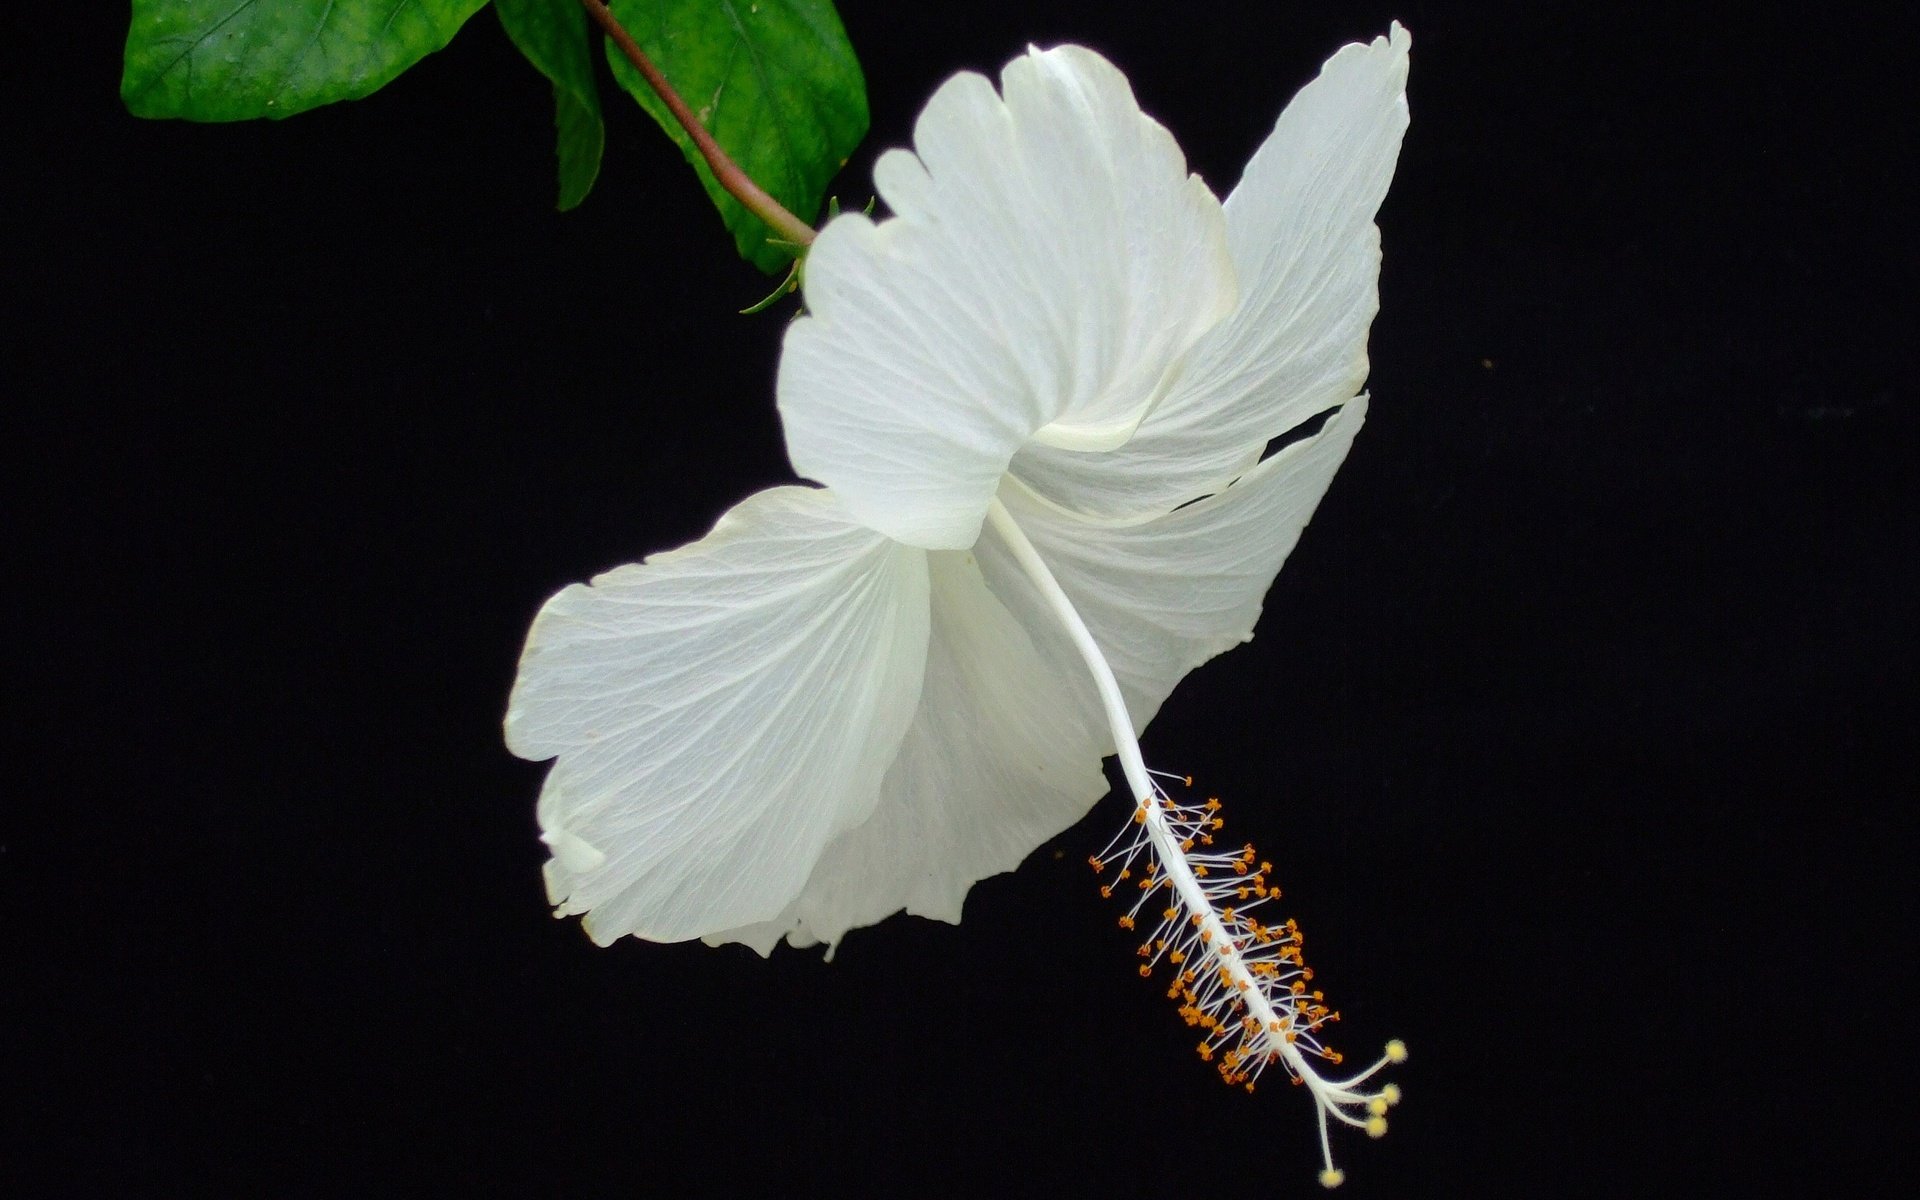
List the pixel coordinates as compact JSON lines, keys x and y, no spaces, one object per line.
{"x":1215,"y":936}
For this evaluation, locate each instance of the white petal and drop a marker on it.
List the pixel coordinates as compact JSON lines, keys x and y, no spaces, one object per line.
{"x":1004,"y":750}
{"x":718,"y":714}
{"x":1308,"y":257}
{"x":1049,"y":263}
{"x":1003,"y":753}
{"x":1164,"y":594}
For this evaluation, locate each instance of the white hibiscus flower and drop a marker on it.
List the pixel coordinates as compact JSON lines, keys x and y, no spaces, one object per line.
{"x":1038,"y":397}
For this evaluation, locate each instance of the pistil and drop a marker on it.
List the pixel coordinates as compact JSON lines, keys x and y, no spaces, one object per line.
{"x":1242,"y":982}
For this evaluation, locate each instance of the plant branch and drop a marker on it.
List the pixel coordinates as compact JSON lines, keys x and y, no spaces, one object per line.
{"x":737,"y":182}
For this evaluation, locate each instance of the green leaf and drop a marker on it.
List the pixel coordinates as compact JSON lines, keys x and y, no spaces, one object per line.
{"x":774,"y":81}
{"x":230,"y":60}
{"x":553,"y":36}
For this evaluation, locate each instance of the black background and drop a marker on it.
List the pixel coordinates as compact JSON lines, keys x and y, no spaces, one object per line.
{"x":1575,"y":725}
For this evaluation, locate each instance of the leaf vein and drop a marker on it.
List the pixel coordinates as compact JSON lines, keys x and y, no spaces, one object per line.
{"x":767,"y":89}
{"x":300,"y":59}
{"x":193,"y":43}
{"x":393,"y":13}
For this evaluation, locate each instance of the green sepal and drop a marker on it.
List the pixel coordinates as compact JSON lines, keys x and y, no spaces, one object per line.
{"x":788,"y":287}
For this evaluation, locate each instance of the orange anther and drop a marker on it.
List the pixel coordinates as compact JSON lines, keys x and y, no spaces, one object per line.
{"x":1126,"y":922}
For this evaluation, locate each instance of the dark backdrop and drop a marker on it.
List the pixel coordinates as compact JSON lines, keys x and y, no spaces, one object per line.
{"x":1574,"y":725}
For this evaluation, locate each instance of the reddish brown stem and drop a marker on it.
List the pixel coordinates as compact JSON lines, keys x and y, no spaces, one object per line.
{"x":737,"y":182}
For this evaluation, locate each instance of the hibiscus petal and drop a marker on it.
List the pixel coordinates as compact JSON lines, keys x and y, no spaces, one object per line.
{"x":1050,"y":261}
{"x":1164,"y":594}
{"x":1004,"y":752}
{"x":1308,"y":257}
{"x":1004,"y":749}
{"x":718,"y":714}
